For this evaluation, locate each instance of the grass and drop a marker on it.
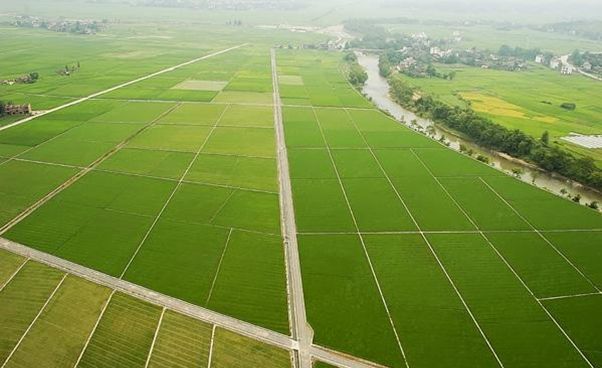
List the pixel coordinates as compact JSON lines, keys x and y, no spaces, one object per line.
{"x":242,"y":142}
{"x":236,"y":171}
{"x":97,"y":222}
{"x":248,"y":116}
{"x":320,"y":206}
{"x":9,"y":264}
{"x":427,"y":313}
{"x":21,"y":300}
{"x":503,"y":305}
{"x":124,"y":335}
{"x":163,"y":164}
{"x":251,"y":281}
{"x":54,"y":340}
{"x":179,"y":138}
{"x":23,"y":183}
{"x":551,"y":275}
{"x":181,"y":342}
{"x":581,"y":319}
{"x":194,"y":114}
{"x":343,"y":307}
{"x":231,"y":350}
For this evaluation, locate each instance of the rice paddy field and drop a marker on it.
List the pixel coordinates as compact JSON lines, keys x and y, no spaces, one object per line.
{"x":529,"y":100}
{"x":411,"y":255}
{"x":415,"y":255}
{"x":82,"y":324}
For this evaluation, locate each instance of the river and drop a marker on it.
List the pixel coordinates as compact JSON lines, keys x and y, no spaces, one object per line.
{"x":377,"y":88}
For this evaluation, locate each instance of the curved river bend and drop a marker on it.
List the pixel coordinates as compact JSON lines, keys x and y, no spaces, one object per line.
{"x":377,"y":88}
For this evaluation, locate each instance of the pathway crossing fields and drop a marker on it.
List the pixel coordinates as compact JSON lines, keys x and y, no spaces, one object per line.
{"x":178,"y":197}
{"x":401,"y":237}
{"x":81,"y":324}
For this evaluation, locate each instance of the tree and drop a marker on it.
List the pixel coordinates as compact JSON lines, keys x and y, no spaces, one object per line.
{"x":451,"y":75}
{"x":593,"y":205}
{"x":545,"y":138}
{"x":577,"y":198}
{"x":2,"y":108}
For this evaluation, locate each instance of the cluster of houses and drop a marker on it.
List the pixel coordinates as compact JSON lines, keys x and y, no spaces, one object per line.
{"x":12,"y":109}
{"x":24,"y":79}
{"x":556,"y":63}
{"x":79,"y":26}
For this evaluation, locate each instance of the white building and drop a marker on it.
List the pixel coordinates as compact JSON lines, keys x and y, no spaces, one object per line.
{"x":555,"y":63}
{"x":539,"y":59}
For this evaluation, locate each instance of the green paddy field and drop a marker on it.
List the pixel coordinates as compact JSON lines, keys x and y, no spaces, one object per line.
{"x":411,"y":254}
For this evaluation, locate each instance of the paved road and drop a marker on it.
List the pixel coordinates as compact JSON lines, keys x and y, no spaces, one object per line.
{"x":300,"y":328}
{"x":177,"y":305}
{"x":78,"y":101}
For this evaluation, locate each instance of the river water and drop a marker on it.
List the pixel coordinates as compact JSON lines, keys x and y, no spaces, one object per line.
{"x":377,"y":88}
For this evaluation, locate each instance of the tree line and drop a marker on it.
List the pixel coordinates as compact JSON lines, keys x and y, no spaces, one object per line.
{"x":491,"y":135}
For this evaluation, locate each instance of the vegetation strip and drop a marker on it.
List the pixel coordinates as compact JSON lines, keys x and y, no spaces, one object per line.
{"x":34,"y":320}
{"x":363,"y":244}
{"x":508,"y":264}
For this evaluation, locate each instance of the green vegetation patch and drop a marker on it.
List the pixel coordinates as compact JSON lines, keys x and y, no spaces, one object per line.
{"x":502,"y":305}
{"x":581,"y":319}
{"x":343,"y":304}
{"x":97,"y":222}
{"x":293,"y":80}
{"x":35,"y":132}
{"x":435,"y":328}
{"x":194,"y":114}
{"x":69,"y":152}
{"x":231,"y":350}
{"x":183,"y":138}
{"x":544,"y":210}
{"x":484,"y":207}
{"x":251,"y":211}
{"x":583,"y":250}
{"x":134,"y":112}
{"x":124,"y":335}
{"x":101,"y":132}
{"x":551,"y":275}
{"x":320,"y":206}
{"x":445,"y":162}
{"x":201,"y":85}
{"x":356,"y":164}
{"x":338,"y":129}
{"x":310,"y":164}
{"x":179,"y":260}
{"x":251,"y":281}
{"x":376,"y":206}
{"x":182,"y":342}
{"x":301,"y":128}
{"x":9,"y":264}
{"x":242,"y":142}
{"x":23,"y":183}
{"x":21,"y":300}
{"x":248,"y":116}
{"x":59,"y":334}
{"x":164,"y":164}
{"x":236,"y":171}
{"x":244,"y":97}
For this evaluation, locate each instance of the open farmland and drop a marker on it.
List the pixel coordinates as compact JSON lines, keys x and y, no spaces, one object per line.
{"x":528,"y":100}
{"x":247,"y":207}
{"x":82,"y":324}
{"x":415,"y":255}
{"x":175,"y":196}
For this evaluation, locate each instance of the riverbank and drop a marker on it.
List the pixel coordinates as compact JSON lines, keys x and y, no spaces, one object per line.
{"x":377,"y":89}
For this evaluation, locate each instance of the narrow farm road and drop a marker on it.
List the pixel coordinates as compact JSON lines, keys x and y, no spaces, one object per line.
{"x":96,"y":94}
{"x":299,"y":326}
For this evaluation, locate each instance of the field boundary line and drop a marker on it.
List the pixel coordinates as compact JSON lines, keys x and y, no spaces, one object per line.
{"x":429,"y":245}
{"x":78,"y":175}
{"x":50,"y":297}
{"x":210,"y":356}
{"x":152,"y":347}
{"x":361,"y":238}
{"x":299,"y":325}
{"x":337,"y":358}
{"x":542,"y":236}
{"x":219,"y":266}
{"x":568,"y":296}
{"x":12,"y":276}
{"x":111,"y":89}
{"x":173,"y":193}
{"x":505,"y":261}
{"x":89,"y":338}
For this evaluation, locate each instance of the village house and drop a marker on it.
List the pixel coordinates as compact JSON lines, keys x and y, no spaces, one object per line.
{"x":539,"y":59}
{"x":567,"y":70}
{"x":555,"y":63}
{"x":24,"y":109}
{"x":587,"y":66}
